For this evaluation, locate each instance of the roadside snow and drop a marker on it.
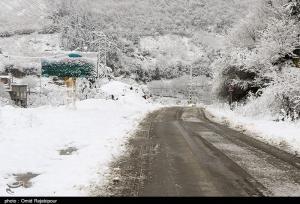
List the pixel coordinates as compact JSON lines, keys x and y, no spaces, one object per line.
{"x":41,"y":141}
{"x":284,"y":135}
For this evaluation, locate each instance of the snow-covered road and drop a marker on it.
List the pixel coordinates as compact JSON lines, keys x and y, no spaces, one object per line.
{"x":186,"y":154}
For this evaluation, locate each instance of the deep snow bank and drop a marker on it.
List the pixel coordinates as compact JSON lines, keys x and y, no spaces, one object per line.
{"x":285,"y":135}
{"x":70,"y":150}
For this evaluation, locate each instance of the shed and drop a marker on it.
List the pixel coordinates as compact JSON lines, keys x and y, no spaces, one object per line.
{"x":296,"y":61}
{"x":18,"y":94}
{"x":296,"y":57}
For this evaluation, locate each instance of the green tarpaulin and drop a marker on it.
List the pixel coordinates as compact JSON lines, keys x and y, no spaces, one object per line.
{"x":74,"y":55}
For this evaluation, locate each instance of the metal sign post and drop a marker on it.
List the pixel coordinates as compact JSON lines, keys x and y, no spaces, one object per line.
{"x":74,"y":93}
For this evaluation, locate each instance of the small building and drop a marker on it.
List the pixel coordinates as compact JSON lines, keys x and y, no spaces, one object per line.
{"x":296,"y":57}
{"x":18,"y":94}
{"x":296,"y":61}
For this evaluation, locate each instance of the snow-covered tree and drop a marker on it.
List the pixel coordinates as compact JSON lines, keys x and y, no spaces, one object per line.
{"x":31,"y":82}
{"x":285,"y":87}
{"x":78,"y":29}
{"x":261,"y":51}
{"x":4,"y":95}
{"x":87,"y":89}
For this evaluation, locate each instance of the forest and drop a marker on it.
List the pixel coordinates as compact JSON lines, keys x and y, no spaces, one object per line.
{"x":258,"y":56}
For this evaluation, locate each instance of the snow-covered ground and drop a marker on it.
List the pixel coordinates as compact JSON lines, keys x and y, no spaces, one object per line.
{"x":33,"y":45}
{"x":67,"y":151}
{"x":284,"y":134}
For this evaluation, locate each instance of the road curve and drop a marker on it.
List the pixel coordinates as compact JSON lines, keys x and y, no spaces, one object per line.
{"x":191,"y":156}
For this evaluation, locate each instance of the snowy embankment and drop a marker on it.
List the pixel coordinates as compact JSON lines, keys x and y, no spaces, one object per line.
{"x":284,"y":135}
{"x":57,"y":151}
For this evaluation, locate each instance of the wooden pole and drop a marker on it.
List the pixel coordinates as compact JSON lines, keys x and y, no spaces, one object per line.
{"x":190,"y":85}
{"x":74,"y":92}
{"x":40,"y":89}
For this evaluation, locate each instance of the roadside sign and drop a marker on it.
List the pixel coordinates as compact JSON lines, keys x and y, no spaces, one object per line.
{"x":68,"y":67}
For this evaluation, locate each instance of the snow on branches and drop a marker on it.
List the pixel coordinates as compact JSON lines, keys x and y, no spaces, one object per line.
{"x":262,"y":55}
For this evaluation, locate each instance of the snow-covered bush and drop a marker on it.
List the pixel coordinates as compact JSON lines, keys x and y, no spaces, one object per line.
{"x":31,"y":82}
{"x":265,"y":106}
{"x":87,"y":89}
{"x":54,"y":97}
{"x":287,"y":88}
{"x":4,"y":95}
{"x":6,"y":34}
{"x":56,"y":93}
{"x":25,"y":31}
{"x":279,"y":101}
{"x":259,"y":61}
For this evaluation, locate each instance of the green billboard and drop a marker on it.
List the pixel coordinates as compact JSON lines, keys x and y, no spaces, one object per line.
{"x":68,"y":67}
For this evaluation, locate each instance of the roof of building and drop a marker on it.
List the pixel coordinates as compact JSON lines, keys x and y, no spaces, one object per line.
{"x":18,"y":85}
{"x":5,"y":76}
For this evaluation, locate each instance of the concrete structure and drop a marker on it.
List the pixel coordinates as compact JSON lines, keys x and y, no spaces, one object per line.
{"x":296,"y":61}
{"x":18,"y":94}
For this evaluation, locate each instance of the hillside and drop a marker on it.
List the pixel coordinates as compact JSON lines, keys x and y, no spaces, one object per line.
{"x":139,"y":17}
{"x":144,"y":17}
{"x":21,"y":14}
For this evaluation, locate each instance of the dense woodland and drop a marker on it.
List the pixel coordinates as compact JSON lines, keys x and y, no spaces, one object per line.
{"x":262,"y":59}
{"x":126,"y":22}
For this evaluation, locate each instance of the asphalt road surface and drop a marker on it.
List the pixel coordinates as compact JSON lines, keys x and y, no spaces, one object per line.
{"x":186,"y":154}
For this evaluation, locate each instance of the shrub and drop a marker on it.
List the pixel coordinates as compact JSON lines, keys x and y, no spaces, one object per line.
{"x":6,"y":34}
{"x":26,"y":31}
{"x":50,"y":29}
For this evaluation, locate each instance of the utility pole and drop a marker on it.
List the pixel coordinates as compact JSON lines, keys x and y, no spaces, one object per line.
{"x":40,"y":94}
{"x":190,"y":85}
{"x":74,"y":92}
{"x":40,"y":78}
{"x":101,"y":56}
